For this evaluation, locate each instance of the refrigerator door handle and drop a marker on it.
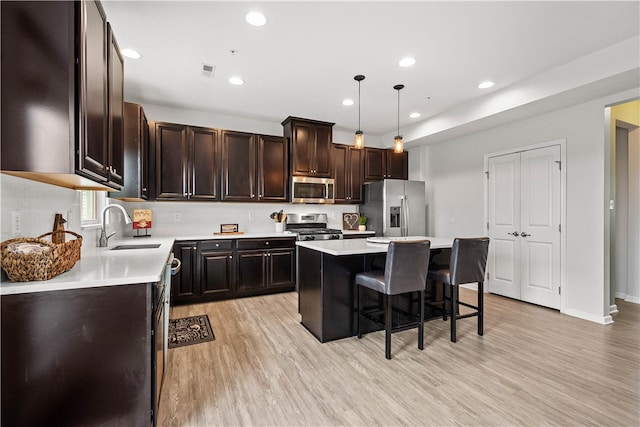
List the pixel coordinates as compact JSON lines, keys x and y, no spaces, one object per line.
{"x":404,"y":216}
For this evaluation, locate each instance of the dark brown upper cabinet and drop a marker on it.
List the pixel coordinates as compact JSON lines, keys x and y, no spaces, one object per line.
{"x":273,"y":168}
{"x":382,"y":164}
{"x":136,"y":158}
{"x":254,"y":167}
{"x":310,"y":142}
{"x":58,"y":92}
{"x":115,"y":147}
{"x":347,"y":172}
{"x":186,"y":162}
{"x":238,"y":166}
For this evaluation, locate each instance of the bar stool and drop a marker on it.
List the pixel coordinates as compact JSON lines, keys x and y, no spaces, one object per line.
{"x":405,"y":271}
{"x":467,"y":265}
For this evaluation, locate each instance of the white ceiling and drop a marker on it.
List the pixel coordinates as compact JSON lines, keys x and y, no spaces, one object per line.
{"x":302,"y":62}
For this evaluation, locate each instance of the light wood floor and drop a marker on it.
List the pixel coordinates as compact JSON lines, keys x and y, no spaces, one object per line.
{"x":533,"y":366}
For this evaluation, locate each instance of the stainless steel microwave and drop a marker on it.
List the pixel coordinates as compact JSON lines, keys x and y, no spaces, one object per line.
{"x":305,"y":189}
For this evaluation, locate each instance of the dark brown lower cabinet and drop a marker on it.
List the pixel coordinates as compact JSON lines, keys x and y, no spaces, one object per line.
{"x":216,"y":268}
{"x":77,"y":357}
{"x":223,"y":269}
{"x":184,"y":285}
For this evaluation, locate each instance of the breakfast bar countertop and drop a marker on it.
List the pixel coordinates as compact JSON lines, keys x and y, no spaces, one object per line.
{"x":362,"y":246}
{"x":105,"y":267}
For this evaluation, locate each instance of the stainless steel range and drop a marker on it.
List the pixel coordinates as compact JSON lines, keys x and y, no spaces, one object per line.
{"x":311,"y":226}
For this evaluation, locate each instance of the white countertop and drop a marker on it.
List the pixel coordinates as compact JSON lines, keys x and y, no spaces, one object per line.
{"x":105,"y":267}
{"x":362,"y":246}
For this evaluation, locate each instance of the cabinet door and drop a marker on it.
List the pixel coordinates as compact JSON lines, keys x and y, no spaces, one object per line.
{"x":397,"y":165}
{"x":170,"y":142}
{"x":252,"y":267}
{"x":203,"y":166}
{"x":302,"y":148}
{"x":238,"y":166}
{"x":144,"y":161}
{"x":375,"y":164}
{"x":38,"y":87}
{"x":354,"y":178}
{"x":216,"y":273}
{"x":273,"y":168}
{"x":93,"y":91}
{"x":116,"y":111}
{"x":281,"y":267}
{"x":322,"y":151}
{"x":339,"y":173}
{"x":184,"y":285}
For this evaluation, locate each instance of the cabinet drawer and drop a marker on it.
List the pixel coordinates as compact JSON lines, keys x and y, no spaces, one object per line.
{"x":266,"y":243}
{"x":216,"y":245}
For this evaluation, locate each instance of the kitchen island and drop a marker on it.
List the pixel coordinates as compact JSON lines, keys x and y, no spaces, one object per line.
{"x":326,"y":272}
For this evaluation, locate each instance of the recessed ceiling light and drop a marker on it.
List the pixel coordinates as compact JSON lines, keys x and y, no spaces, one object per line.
{"x":407,"y":62}
{"x":347,"y":102}
{"x":414,"y":115}
{"x":235,"y":80}
{"x":130,"y":53}
{"x":485,"y":85}
{"x":256,"y":19}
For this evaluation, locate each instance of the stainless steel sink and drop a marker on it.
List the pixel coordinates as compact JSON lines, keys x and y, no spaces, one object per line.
{"x":136,"y":246}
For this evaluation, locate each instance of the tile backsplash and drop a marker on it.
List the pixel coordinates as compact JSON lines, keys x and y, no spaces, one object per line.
{"x":36,"y":204}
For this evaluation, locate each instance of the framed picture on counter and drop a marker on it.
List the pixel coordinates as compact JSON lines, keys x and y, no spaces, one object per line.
{"x":350,"y":221}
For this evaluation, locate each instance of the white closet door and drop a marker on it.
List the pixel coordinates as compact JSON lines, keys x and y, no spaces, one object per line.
{"x":540,"y":222}
{"x":504,"y":225}
{"x":524,"y":220}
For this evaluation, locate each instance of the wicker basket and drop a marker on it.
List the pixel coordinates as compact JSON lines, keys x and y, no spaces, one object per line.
{"x":41,"y":265}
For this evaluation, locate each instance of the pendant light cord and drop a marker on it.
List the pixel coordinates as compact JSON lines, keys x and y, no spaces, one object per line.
{"x":359,"y":104}
{"x":398,"y":112}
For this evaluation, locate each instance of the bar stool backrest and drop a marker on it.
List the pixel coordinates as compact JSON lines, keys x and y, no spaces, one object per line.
{"x":406,"y":266}
{"x":468,"y":260}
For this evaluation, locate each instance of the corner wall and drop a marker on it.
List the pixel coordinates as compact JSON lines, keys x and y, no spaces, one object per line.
{"x":454,"y":174}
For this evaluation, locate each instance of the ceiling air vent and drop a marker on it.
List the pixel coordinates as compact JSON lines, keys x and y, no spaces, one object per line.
{"x":208,"y":70}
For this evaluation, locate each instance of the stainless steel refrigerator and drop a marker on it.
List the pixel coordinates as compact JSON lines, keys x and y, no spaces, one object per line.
{"x":395,"y":208}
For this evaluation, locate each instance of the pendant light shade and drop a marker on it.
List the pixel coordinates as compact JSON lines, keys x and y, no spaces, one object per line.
{"x":397,"y":141}
{"x":359,"y":138}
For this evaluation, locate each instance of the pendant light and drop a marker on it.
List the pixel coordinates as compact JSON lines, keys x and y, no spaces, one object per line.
{"x":397,"y":141}
{"x":359,"y":139}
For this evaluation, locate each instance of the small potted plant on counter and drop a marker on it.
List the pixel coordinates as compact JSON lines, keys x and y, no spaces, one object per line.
{"x":362,"y":223}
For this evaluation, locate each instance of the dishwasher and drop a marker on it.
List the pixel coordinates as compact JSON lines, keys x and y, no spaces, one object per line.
{"x":161,"y":313}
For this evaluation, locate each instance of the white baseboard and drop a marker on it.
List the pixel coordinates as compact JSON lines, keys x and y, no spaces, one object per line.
{"x":629,"y":298}
{"x":620,"y":295}
{"x":613,"y":309}
{"x":603,"y":320}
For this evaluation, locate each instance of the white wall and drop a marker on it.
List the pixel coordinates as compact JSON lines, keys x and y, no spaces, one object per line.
{"x":219,"y":121}
{"x":454,"y":174}
{"x":633,"y":249}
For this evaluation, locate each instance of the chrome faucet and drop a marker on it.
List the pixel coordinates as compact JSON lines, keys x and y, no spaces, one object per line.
{"x":104,"y":239}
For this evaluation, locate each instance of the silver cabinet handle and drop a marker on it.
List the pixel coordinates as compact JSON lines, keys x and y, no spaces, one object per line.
{"x":525,"y":234}
{"x":515,"y":234}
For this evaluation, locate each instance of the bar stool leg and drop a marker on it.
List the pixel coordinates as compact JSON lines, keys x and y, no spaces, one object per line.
{"x":421,"y":324}
{"x":444,"y":301}
{"x":387,"y":324}
{"x":480,"y":308}
{"x":359,"y":321}
{"x":454,"y":311}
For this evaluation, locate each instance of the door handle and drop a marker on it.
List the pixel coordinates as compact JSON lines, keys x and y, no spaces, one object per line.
{"x":515,"y":234}
{"x":525,"y":234}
